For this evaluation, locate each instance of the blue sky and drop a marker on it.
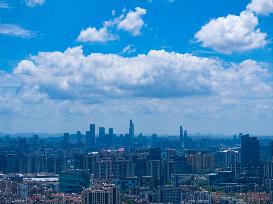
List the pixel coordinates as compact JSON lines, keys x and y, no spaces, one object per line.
{"x":204,"y":64}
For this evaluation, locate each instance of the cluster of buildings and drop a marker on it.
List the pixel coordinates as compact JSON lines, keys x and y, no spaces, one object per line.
{"x":107,"y":168}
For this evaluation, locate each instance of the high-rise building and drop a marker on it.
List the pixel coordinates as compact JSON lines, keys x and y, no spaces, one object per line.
{"x":196,"y":162}
{"x":11,"y":163}
{"x":249,"y":151}
{"x":181,"y":137}
{"x":74,"y":181}
{"x":231,"y":157}
{"x":101,"y":132}
{"x":88,"y":161}
{"x":154,"y":153}
{"x":131,"y":129}
{"x":111,"y":131}
{"x":185,"y":134}
{"x":154,"y":168}
{"x":91,"y":136}
{"x":110,"y":138}
{"x":169,"y":194}
{"x":169,"y":168}
{"x":102,"y":194}
{"x":104,"y":171}
{"x":123,"y":169}
{"x":208,"y":162}
{"x":186,"y":139}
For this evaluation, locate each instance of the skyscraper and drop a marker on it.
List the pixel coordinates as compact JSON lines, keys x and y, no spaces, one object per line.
{"x":181,"y":137}
{"x":185,"y":134}
{"x":102,"y":194}
{"x":93,"y":134}
{"x":249,"y":151}
{"x":186,"y":142}
{"x":131,"y":129}
{"x":110,"y":138}
{"x":111,"y":131}
{"x":102,"y":132}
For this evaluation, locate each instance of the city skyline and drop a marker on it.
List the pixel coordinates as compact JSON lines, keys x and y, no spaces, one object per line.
{"x":96,"y":131}
{"x":161,"y":63}
{"x":136,"y":101}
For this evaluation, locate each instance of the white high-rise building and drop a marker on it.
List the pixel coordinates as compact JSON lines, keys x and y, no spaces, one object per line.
{"x":101,"y":194}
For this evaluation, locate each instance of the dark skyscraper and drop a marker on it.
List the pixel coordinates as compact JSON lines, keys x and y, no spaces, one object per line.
{"x":93,"y":134}
{"x":185,"y":134}
{"x":181,"y":136}
{"x":249,"y":151}
{"x":131,"y":129}
{"x":111,"y":131}
{"x":102,"y":132}
{"x":110,"y":137}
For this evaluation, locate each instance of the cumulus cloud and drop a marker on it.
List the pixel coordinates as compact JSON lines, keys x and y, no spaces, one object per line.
{"x":15,"y":31}
{"x":261,"y":7}
{"x":34,"y":3}
{"x":59,"y":85}
{"x":133,"y":21}
{"x":232,"y":34}
{"x":159,"y":74}
{"x":92,"y":34}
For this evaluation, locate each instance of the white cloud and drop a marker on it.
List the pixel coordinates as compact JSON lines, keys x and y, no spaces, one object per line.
{"x":261,"y":7}
{"x":232,"y":34}
{"x":55,"y":86}
{"x":159,"y":74}
{"x":15,"y":30}
{"x":133,"y":21}
{"x":101,"y":35}
{"x":113,"y":12}
{"x":129,"y":49}
{"x":4,"y":5}
{"x":33,"y":3}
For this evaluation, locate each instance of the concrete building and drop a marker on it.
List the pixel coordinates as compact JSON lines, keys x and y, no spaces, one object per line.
{"x":101,"y":194}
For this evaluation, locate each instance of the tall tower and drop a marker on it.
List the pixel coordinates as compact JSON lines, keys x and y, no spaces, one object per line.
{"x":181,"y":137}
{"x":102,"y":132}
{"x":92,"y":134}
{"x":131,"y":129}
{"x":185,"y":134}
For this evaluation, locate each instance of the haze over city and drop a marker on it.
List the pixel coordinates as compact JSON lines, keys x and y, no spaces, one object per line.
{"x":162,"y":63}
{"x":136,"y":101}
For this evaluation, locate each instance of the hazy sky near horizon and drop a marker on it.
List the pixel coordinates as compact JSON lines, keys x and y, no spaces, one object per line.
{"x":204,"y":64}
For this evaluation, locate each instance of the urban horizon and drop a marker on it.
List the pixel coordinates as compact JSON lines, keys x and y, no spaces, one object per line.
{"x":136,"y":102}
{"x":138,"y":131}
